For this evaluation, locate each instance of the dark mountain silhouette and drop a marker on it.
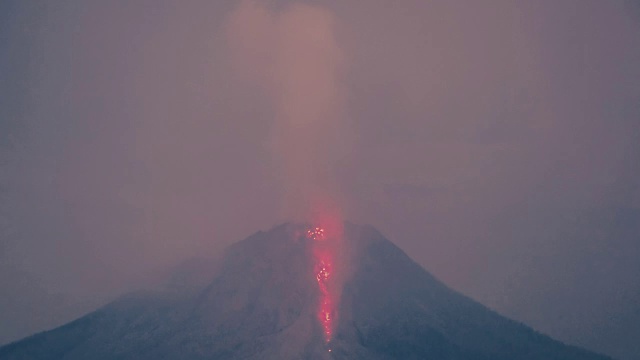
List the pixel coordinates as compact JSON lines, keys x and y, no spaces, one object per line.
{"x":261,"y":304}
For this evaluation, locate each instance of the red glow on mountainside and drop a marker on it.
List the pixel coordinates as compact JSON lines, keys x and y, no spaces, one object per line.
{"x":326,"y":307}
{"x":324,"y":274}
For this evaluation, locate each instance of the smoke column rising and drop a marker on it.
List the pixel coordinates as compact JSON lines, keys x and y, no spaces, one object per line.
{"x":292,"y":55}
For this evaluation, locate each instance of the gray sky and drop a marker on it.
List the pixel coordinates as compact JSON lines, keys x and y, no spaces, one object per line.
{"x":497,"y":142}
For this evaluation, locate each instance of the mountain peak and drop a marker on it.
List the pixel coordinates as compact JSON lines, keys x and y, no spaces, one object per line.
{"x":301,"y":291}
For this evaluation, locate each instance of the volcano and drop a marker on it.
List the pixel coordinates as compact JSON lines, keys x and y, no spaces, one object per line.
{"x":263,"y":301}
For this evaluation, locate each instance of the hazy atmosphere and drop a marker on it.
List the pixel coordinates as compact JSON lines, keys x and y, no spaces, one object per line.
{"x":496,"y":142}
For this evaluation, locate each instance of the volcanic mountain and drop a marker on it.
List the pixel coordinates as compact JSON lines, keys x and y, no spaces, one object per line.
{"x":263,"y":303}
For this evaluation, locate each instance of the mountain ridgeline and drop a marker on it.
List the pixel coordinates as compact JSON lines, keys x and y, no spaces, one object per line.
{"x":261,"y":303}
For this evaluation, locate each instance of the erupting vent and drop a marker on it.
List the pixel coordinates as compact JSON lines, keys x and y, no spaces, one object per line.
{"x":316,"y":233}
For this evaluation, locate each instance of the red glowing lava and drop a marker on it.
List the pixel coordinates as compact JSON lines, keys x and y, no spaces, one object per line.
{"x":316,"y":233}
{"x":324,"y":271}
{"x":326,"y":307}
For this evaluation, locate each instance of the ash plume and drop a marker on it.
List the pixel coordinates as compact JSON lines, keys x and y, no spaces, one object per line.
{"x":292,"y":55}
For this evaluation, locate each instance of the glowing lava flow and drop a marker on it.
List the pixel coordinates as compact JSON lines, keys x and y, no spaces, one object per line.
{"x":326,"y":306}
{"x":324,"y":271}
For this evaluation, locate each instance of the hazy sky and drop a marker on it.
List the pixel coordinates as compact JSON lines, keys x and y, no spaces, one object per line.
{"x":497,"y":142}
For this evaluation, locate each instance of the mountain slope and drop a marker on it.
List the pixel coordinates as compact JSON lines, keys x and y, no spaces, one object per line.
{"x":262,"y":302}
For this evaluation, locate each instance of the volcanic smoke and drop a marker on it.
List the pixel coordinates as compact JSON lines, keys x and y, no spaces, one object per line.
{"x":292,"y":55}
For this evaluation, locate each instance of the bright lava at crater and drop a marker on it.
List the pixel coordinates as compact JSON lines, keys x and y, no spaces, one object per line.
{"x":315,"y":233}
